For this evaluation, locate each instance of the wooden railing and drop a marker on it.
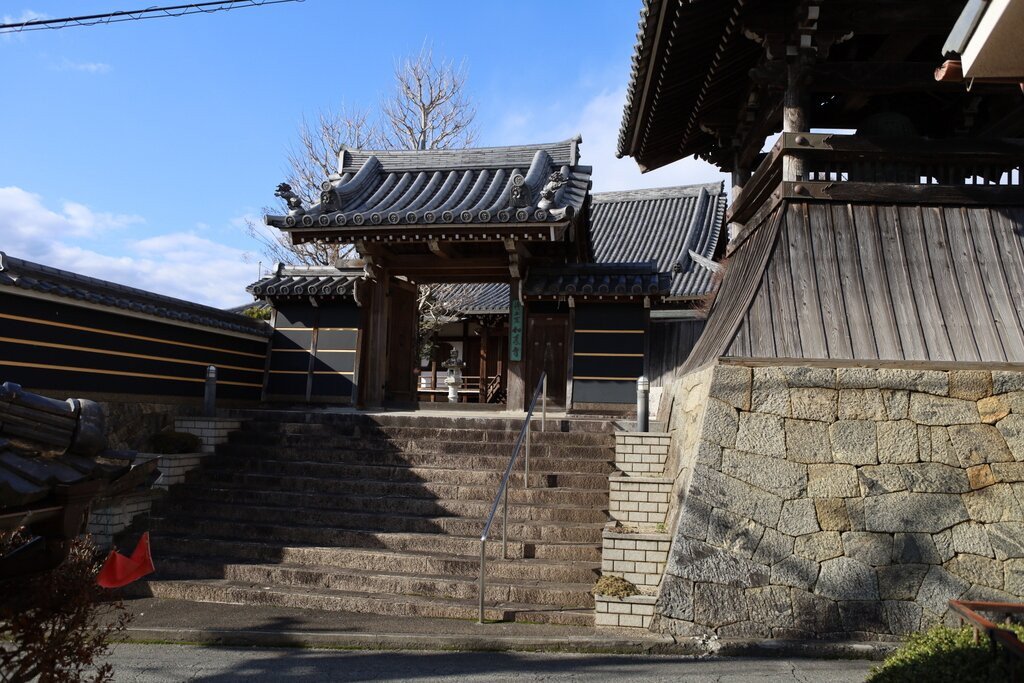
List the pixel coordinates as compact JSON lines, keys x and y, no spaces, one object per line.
{"x":968,"y":611}
{"x":852,"y":168}
{"x":430,"y":384}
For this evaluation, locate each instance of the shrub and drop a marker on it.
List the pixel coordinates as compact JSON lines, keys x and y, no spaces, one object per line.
{"x":944,"y":654}
{"x":54,"y":622}
{"x":257,"y":312}
{"x":169,"y":442}
{"x":614,"y":587}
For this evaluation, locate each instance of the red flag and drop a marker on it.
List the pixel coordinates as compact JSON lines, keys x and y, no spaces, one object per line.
{"x":119,"y":570}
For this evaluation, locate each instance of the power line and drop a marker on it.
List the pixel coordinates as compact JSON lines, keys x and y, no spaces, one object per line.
{"x":137,"y":15}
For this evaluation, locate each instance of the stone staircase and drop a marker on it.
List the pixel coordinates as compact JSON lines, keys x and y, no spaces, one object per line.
{"x":383,"y":514}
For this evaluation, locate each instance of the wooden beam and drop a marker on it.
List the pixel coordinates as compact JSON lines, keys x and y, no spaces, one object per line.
{"x":442,"y":249}
{"x":859,"y":78}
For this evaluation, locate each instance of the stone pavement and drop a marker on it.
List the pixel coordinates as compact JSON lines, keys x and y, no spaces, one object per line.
{"x":134,"y":663}
{"x":174,"y":621}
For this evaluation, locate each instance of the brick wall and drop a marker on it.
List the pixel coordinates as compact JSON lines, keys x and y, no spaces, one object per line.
{"x":641,"y":452}
{"x":210,"y":430}
{"x":637,"y":558}
{"x":636,"y":611}
{"x":638,"y":500}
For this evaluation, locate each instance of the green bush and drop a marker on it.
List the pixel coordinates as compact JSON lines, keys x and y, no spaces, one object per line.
{"x":944,"y":654}
{"x":257,"y":312}
{"x":169,"y":443}
{"x":615,"y":587}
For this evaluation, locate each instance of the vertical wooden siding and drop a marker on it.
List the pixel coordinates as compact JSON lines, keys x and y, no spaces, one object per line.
{"x":313,"y":353}
{"x":877,"y":282}
{"x":608,"y":352}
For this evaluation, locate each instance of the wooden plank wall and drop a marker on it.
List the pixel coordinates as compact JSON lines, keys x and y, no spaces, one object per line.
{"x":669,"y":346}
{"x":313,"y":353}
{"x":608,"y":352}
{"x":58,"y":348}
{"x":877,"y":282}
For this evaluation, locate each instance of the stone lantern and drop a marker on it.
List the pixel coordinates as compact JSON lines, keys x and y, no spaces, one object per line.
{"x":454,"y":379}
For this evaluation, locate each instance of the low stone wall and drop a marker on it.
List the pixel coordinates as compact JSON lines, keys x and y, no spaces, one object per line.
{"x":849,"y":502}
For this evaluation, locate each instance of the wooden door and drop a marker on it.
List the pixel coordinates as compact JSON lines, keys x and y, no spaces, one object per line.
{"x":401,"y":346}
{"x":547,"y":338}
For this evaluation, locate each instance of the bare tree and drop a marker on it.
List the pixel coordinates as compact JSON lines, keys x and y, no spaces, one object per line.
{"x":428,"y":109}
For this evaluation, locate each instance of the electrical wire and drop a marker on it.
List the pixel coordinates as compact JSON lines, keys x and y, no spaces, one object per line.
{"x":137,"y":15}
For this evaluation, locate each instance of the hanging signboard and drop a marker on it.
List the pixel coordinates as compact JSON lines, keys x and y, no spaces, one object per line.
{"x":515,"y":330}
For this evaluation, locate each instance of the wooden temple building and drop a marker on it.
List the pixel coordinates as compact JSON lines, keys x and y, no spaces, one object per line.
{"x":886,"y":221}
{"x":545,"y":277}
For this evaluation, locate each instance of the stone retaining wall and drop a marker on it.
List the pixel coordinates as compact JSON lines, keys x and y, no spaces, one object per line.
{"x":849,"y":502}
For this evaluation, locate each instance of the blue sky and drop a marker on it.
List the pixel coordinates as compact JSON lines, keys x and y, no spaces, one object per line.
{"x":136,"y":151}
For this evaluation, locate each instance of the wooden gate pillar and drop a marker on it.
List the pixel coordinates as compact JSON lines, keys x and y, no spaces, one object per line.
{"x":375,"y":338}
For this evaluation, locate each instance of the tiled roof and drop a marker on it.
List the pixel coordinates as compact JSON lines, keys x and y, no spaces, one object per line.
{"x":475,"y":298}
{"x":597,"y":279}
{"x":685,"y":49}
{"x":677,"y":228}
{"x":45,"y":458}
{"x":325,"y":282}
{"x":525,"y":184}
{"x":18,"y":273}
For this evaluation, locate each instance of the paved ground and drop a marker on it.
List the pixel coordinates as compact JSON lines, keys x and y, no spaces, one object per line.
{"x":135,"y":663}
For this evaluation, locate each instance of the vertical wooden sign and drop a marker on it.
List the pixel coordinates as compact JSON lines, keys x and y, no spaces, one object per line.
{"x":515,"y":330}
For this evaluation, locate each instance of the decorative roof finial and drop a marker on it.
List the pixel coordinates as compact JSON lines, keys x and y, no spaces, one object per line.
{"x":284,"y":191}
{"x":547,"y":195}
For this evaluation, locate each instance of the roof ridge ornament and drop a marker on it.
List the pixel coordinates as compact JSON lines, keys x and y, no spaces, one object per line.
{"x":547,"y":194}
{"x":284,"y":191}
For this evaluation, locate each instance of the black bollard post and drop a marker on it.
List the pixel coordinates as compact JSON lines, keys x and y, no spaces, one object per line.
{"x":210,"y":393}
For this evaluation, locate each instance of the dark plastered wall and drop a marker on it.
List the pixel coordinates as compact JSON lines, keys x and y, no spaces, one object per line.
{"x":609,"y":342}
{"x":314,"y":352}
{"x":63,"y":349}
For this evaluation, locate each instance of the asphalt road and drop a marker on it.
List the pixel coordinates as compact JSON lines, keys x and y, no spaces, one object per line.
{"x":167,"y":663}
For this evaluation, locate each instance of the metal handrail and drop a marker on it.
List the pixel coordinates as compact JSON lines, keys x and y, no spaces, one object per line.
{"x":502,"y":495}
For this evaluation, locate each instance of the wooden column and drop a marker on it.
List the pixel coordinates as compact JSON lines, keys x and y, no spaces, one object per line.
{"x":516,"y":392}
{"x":377,"y":340}
{"x":484,"y":339}
{"x":794,"y":118}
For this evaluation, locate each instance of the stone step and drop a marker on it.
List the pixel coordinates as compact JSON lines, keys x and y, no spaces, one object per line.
{"x":433,"y":561}
{"x":230,"y":592}
{"x":302,"y":443}
{"x":281,"y":535}
{"x":424,"y":507}
{"x":538,"y":465}
{"x":422,"y":420}
{"x":380,"y":582}
{"x":529,"y":531}
{"x":389,"y":433}
{"x":420,"y":490}
{"x":282,"y":470}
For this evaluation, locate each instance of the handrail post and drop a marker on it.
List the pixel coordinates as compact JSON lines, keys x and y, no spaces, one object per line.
{"x":483,"y":572}
{"x":526,"y":469}
{"x":504,"y":527}
{"x":544,"y":405}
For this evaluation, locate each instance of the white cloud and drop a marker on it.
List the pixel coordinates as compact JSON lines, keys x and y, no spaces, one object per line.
{"x":179,"y":264}
{"x":87,"y":67}
{"x":25,"y":16}
{"x":598,"y":122}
